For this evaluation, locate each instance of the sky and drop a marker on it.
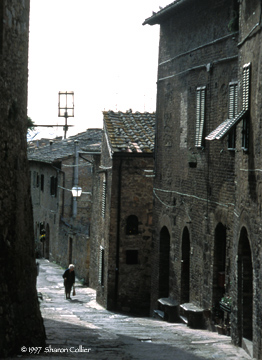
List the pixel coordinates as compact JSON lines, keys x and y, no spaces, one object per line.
{"x":98,"y":49}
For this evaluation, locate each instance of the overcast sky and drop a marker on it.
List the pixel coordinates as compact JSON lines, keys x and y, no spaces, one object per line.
{"x":98,"y":49}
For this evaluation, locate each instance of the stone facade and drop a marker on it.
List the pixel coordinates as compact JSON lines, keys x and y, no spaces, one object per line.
{"x":62,"y":223}
{"x":18,"y":295}
{"x":206,"y":243}
{"x":121,"y":227}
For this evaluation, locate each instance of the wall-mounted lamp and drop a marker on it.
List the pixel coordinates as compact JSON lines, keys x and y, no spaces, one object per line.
{"x":76,"y":191}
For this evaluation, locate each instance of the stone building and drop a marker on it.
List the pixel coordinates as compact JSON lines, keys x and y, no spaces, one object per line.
{"x":207,"y":213}
{"x":120,"y":268}
{"x":18,"y":295}
{"x":62,"y":222}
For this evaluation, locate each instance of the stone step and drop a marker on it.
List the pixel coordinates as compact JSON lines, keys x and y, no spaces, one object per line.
{"x":159,"y":314}
{"x":192,"y":315}
{"x":170,"y":309}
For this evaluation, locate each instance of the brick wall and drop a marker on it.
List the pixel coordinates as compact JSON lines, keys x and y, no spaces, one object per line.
{"x":127,"y":257}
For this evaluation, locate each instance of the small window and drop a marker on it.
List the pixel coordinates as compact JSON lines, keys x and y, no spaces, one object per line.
{"x":34,"y":179}
{"x":132,"y":225}
{"x":101,"y":266}
{"x":53,"y":186}
{"x":200,"y":115}
{"x":42,"y":182}
{"x":232,"y":113}
{"x":131,"y":257}
{"x":37,"y":180}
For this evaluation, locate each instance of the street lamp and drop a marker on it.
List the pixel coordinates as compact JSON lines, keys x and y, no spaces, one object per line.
{"x":76,"y":191}
{"x":66,"y":106}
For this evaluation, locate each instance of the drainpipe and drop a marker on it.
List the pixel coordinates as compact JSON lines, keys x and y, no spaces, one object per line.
{"x":118,"y":231}
{"x":75,"y":183}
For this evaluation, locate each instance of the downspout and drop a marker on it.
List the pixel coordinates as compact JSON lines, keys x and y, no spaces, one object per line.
{"x":118,"y":232}
{"x":75,"y":183}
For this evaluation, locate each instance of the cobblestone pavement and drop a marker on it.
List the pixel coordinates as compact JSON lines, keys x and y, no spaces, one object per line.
{"x":82,"y":329}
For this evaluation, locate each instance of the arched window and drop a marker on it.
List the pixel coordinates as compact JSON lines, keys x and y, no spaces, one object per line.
{"x":132,"y":225}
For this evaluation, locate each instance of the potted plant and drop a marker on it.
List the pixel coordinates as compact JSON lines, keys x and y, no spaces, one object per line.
{"x":225,"y":303}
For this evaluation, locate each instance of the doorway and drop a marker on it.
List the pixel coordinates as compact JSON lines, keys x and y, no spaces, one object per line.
{"x":245,"y":288}
{"x":219,"y":263}
{"x":185,"y":267}
{"x":164,"y":254}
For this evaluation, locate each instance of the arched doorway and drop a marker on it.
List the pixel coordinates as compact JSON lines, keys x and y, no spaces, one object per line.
{"x":219,"y":263}
{"x":245,"y":288}
{"x":185,"y":267}
{"x":164,"y":254}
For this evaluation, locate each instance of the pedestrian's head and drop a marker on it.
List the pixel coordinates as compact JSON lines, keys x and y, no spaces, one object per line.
{"x":71,"y":267}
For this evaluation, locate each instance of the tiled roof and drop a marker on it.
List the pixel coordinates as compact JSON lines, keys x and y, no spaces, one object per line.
{"x":89,"y":140}
{"x":130,"y":132}
{"x":165,"y":12}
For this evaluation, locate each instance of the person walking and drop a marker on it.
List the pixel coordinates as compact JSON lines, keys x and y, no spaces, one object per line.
{"x":69,"y":280}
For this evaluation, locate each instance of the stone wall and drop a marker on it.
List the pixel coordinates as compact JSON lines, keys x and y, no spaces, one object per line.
{"x":45,"y":208}
{"x":74,"y":231}
{"x":18,"y":296}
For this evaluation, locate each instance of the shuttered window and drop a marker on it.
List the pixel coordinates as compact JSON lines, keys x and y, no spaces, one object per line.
{"x":228,"y":124}
{"x":53,"y":186}
{"x":104,"y":198}
{"x":246,"y":85}
{"x":246,"y":94}
{"x":101,"y":266}
{"x":200,"y":115}
{"x":232,"y":112}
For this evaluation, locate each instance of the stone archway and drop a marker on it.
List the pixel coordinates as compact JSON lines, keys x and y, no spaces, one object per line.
{"x":185,"y":267}
{"x":164,"y":256}
{"x":245,"y":288}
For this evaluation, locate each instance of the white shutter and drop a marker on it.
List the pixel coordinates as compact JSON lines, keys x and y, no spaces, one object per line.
{"x":200,"y":115}
{"x":101,"y":266}
{"x":104,"y":198}
{"x":246,"y":85}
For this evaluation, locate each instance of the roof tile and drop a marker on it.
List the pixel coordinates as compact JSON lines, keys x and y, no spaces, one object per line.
{"x":130,"y":132}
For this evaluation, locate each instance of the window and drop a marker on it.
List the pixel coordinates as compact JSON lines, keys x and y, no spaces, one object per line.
{"x":131,"y":257}
{"x":53,"y":186}
{"x":200,"y":115}
{"x":101,"y":266}
{"x":232,"y":112}
{"x":228,"y":124}
{"x":245,"y":131}
{"x":42,"y":182}
{"x":246,"y":91}
{"x":104,"y":197}
{"x":34,"y":179}
{"x":132,"y":225}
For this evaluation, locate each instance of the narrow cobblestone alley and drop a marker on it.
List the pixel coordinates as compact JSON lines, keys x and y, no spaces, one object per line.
{"x":81,"y":329}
